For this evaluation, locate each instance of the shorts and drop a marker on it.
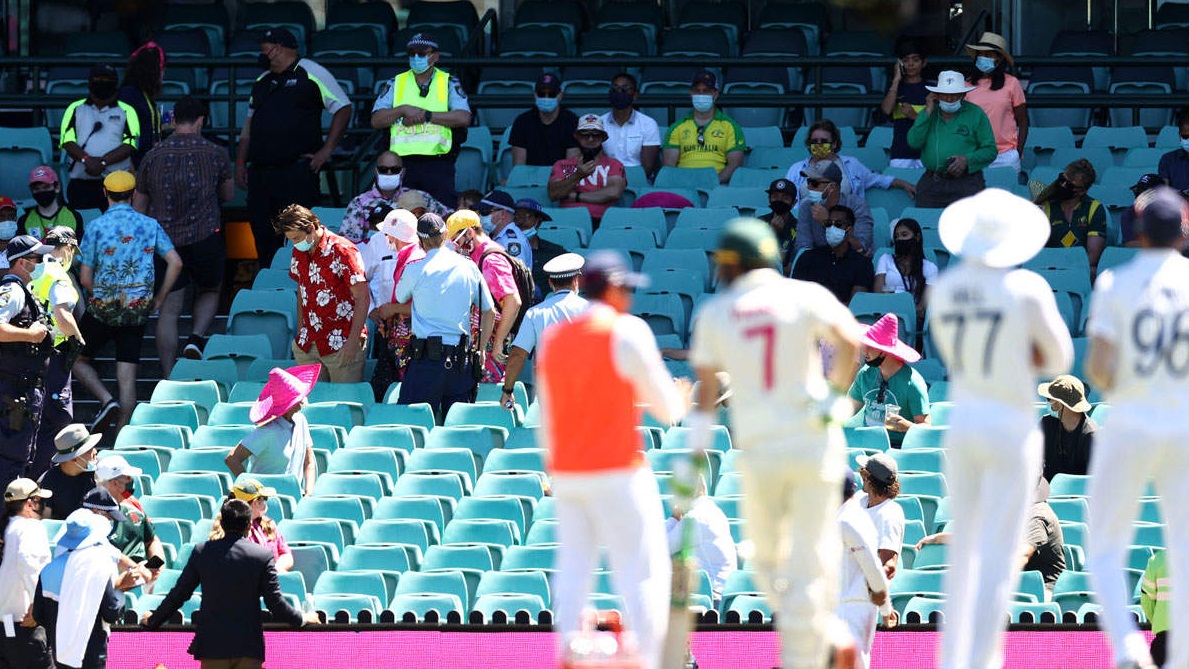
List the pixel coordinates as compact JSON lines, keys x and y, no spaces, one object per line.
{"x":203,"y":263}
{"x":128,"y":338}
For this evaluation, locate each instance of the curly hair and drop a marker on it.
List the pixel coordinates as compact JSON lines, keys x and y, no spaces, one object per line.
{"x":889,"y":490}
{"x":144,"y":71}
{"x":295,"y":218}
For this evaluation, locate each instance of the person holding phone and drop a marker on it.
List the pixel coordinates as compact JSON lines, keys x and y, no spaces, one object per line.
{"x":904,"y":100}
{"x":135,"y":536}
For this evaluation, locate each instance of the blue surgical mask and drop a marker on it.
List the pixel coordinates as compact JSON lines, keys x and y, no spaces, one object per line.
{"x":950,"y":107}
{"x":814,"y":196}
{"x":835,"y":236}
{"x":984,"y":63}
{"x":702,"y":103}
{"x":530,"y":233}
{"x":38,"y":272}
{"x":304,"y":245}
{"x":8,"y":229}
{"x":488,"y":225}
{"x":547,"y":105}
{"x":418,"y":64}
{"x":1185,"y":144}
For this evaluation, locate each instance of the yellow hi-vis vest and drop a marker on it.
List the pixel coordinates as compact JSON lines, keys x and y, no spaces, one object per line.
{"x":54,"y":273}
{"x":423,"y":139}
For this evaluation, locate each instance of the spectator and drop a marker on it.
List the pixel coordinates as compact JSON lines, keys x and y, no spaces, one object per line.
{"x":118,"y":271}
{"x":906,"y":269}
{"x":956,"y":143}
{"x":377,"y":253}
{"x":1076,"y":218}
{"x":824,"y":143}
{"x":133,"y":534}
{"x":466,"y":231}
{"x":100,"y":502}
{"x":332,"y":295}
{"x":706,"y":137}
{"x":529,"y":216}
{"x":100,"y":134}
{"x":544,"y":135}
{"x":233,"y":574}
{"x":782,"y":196}
{"x":393,"y":326}
{"x":428,"y":115}
{"x":25,"y":350}
{"x":51,"y":210}
{"x":823,"y":191}
{"x":864,"y":597}
{"x":497,"y":213}
{"x":443,"y":289}
{"x":140,"y":89}
{"x":281,"y":442}
{"x":26,"y":550}
{"x":8,"y":223}
{"x":182,"y":181}
{"x":837,"y":266}
{"x":469,"y":199}
{"x":1044,"y":543}
{"x":1068,"y":430}
{"x":413,"y":201}
{"x":389,"y":187}
{"x":73,"y":473}
{"x":592,"y":180}
{"x":80,"y":594}
{"x":263,"y":531}
{"x":1001,"y":97}
{"x":281,"y":150}
{"x":1127,"y":219}
{"x":1174,"y":165}
{"x":904,"y":100}
{"x":881,"y":487}
{"x":1154,"y":598}
{"x":562,"y":304}
{"x":713,"y":546}
{"x":56,"y":288}
{"x":885,"y":381}
{"x":633,"y":138}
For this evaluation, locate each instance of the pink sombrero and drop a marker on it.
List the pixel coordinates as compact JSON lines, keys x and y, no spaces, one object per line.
{"x":885,"y":336}
{"x":284,"y":390}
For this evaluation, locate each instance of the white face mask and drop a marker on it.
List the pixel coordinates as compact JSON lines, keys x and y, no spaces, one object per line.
{"x":814,"y":196}
{"x":835,"y":236}
{"x":950,"y":107}
{"x":488,"y":224}
{"x":388,"y":181}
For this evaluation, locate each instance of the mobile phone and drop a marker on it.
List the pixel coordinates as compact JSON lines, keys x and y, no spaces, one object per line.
{"x":900,"y":64}
{"x":155,"y":562}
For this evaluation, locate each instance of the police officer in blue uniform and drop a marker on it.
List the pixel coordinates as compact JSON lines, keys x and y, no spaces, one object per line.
{"x":24,"y":357}
{"x":497,"y":211}
{"x":444,"y":364}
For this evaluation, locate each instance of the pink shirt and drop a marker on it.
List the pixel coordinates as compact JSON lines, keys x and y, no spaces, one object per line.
{"x":277,"y":544}
{"x":1000,"y":108}
{"x":405,"y":257}
{"x":497,"y":272}
{"x":606,"y":168}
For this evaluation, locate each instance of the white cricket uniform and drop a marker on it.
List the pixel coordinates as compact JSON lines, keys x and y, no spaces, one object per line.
{"x":987,"y":324}
{"x":888,"y":519}
{"x":714,"y":547}
{"x":861,"y":572}
{"x":1142,"y":309}
{"x":765,"y":330}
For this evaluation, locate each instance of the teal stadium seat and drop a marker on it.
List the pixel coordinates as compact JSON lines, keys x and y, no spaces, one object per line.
{"x":265,"y":312}
{"x":367,"y":484}
{"x":418,"y":604}
{"x":204,"y":394}
{"x":441,"y":583}
{"x":243,"y":349}
{"x":508,"y":508}
{"x":479,"y":439}
{"x":458,"y":460}
{"x":481,"y":414}
{"x":387,"y":462}
{"x":184,"y":414}
{"x":166,"y":436}
{"x":457,"y":557}
{"x":510,"y":604}
{"x":230,"y":413}
{"x":425,"y":483}
{"x":220,"y":436}
{"x":437,"y":510}
{"x":400,"y":437}
{"x":510,"y":483}
{"x":538,"y":557}
{"x":344,"y":508}
{"x":223,"y":372}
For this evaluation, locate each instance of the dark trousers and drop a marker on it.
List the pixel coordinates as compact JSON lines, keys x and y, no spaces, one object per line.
{"x":232,"y":663}
{"x":57,"y":411}
{"x":936,"y":191}
{"x":27,"y":650}
{"x":271,"y":189}
{"x":86,"y":194}
{"x":16,"y":445}
{"x":1160,"y":648}
{"x":429,"y":381}
{"x":432,"y":174}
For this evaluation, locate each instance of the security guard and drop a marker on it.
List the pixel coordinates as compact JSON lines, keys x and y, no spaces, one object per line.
{"x":497,"y":212}
{"x":24,"y":357}
{"x":443,"y":287}
{"x":563,"y":304}
{"x":428,"y":113}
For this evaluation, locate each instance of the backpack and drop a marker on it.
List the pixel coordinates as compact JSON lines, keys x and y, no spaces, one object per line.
{"x":524,"y":284}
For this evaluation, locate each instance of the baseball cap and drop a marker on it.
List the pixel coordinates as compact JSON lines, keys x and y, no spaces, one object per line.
{"x":120,"y":181}
{"x":848,"y":483}
{"x":704,"y":77}
{"x":280,"y":37}
{"x":114,"y":466}
{"x":7,"y":203}
{"x":783,"y":186}
{"x":99,"y":499}
{"x":43,"y":174}
{"x":879,"y":467}
{"x":548,"y":82}
{"x":23,"y":245}
{"x":496,"y":199}
{"x":411,"y":199}
{"x":591,"y":122}
{"x":825,"y":169}
{"x":609,"y":268}
{"x":748,"y":241}
{"x":461,"y":220}
{"x":103,"y":71}
{"x":1160,"y":214}
{"x":529,"y":204}
{"x":378,"y":212}
{"x":60,"y":235}
{"x":249,"y":489}
{"x":430,"y":225}
{"x":23,"y":488}
{"x":1146,"y":182}
{"x":421,"y":40}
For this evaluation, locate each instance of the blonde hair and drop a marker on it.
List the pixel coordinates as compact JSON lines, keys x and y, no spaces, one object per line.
{"x":267,"y":524}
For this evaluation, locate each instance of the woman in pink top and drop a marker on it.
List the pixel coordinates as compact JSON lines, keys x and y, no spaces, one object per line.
{"x":264,"y":529}
{"x":1000,"y":95}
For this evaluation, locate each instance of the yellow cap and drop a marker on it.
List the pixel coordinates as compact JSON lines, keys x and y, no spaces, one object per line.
{"x":461,"y":220}
{"x":119,"y":182}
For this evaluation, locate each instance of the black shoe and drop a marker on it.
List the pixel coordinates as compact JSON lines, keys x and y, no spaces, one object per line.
{"x":194,"y":346}
{"x":106,"y":417}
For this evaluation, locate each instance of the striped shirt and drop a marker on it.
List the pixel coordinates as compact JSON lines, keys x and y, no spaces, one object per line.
{"x":181,"y":177}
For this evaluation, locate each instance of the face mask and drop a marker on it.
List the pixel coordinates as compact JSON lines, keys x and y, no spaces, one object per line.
{"x":45,"y":198}
{"x":905,"y":246}
{"x":304,"y":245}
{"x":621,"y":99}
{"x":530,"y":233}
{"x":129,"y":489}
{"x":820,"y":150}
{"x":984,"y":64}
{"x":702,"y":103}
{"x":418,"y":64}
{"x":388,"y":181}
{"x":780,"y":207}
{"x":488,"y":224}
{"x":876,"y":362}
{"x":547,"y":105}
{"x":38,"y":272}
{"x":950,"y":107}
{"x":103,"y":89}
{"x":814,"y":196}
{"x":589,"y":154}
{"x":91,"y":466}
{"x":1185,"y":144}
{"x":8,"y":229}
{"x":1062,"y":191}
{"x":263,"y":61}
{"x":835,"y":236}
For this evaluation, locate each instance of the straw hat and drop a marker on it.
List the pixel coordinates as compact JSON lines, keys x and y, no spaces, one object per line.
{"x":989,"y":41}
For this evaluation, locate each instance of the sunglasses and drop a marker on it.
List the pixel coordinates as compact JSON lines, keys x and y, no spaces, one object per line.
{"x":388,"y":169}
{"x":1064,"y":181}
{"x":821,"y":141}
{"x":818,"y":183}
{"x":590,"y":135}
{"x":547,"y":94}
{"x":701,"y":138}
{"x":839,"y":223}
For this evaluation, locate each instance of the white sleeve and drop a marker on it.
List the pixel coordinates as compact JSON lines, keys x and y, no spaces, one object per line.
{"x":882,"y":265}
{"x":526,"y":339}
{"x":334,"y":97}
{"x":930,"y":272}
{"x":652,"y":133}
{"x":674,"y":528}
{"x":865,"y":556}
{"x":701,"y":345}
{"x":1103,"y":322}
{"x":638,"y":359}
{"x":1049,"y":333}
{"x":12,"y":300}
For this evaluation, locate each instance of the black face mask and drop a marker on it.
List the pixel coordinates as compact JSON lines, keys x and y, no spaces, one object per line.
{"x":45,"y":198}
{"x":876,"y":362}
{"x":621,"y":99}
{"x":905,"y":246}
{"x":263,"y":61}
{"x":590,"y":154}
{"x":780,"y":207}
{"x":103,"y":89}
{"x":1062,"y":191}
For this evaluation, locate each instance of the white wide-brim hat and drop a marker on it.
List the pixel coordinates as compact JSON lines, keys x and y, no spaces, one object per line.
{"x":950,"y":81}
{"x":995,"y":227}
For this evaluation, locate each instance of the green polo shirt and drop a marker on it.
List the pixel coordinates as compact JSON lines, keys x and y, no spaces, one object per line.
{"x":133,"y":536}
{"x":1155,"y":594}
{"x":720,"y":136}
{"x":1088,"y":220}
{"x":905,"y":389}
{"x":966,"y":133}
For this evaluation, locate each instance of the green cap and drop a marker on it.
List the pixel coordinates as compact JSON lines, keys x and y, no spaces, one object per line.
{"x":748,"y":241}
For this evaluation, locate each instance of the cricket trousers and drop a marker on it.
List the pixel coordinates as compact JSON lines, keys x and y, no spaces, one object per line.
{"x":1128,"y":453}
{"x":860,"y":618}
{"x":994,"y":456}
{"x":620,"y":510}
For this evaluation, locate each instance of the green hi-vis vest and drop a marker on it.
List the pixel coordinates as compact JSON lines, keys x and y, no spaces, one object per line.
{"x":423,"y":139}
